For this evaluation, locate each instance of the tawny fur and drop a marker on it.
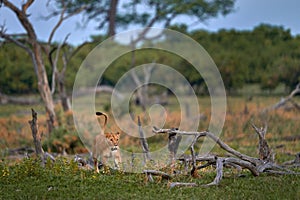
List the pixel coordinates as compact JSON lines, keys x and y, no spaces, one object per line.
{"x":106,"y":145}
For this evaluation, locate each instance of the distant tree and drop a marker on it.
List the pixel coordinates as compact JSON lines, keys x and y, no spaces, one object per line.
{"x":146,"y":13}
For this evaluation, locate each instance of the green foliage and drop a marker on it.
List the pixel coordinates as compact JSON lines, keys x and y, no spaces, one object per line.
{"x":16,"y":69}
{"x":268,"y":56}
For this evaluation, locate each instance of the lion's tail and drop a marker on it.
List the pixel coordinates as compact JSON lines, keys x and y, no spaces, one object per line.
{"x":105,"y":120}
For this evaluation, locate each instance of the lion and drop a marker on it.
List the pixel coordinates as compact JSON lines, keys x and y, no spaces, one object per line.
{"x":106,"y":145}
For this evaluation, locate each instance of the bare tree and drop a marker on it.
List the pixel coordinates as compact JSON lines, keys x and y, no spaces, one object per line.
{"x":34,"y":48}
{"x":54,"y":52}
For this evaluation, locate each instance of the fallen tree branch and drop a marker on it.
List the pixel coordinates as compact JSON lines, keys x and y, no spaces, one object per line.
{"x":295,"y":162}
{"x":264,"y":164}
{"x":4,"y":99}
{"x":180,"y":184}
{"x":219,"y":169}
{"x":285,"y":100}
{"x":222,"y":144}
{"x":158,"y":173}
{"x":20,"y":150}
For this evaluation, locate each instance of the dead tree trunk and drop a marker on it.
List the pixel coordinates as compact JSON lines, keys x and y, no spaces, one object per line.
{"x":36,"y":135}
{"x":173,"y":143}
{"x":144,"y":143}
{"x":263,"y":147}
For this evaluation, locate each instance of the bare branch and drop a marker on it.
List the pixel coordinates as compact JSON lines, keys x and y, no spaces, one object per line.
{"x":59,"y":22}
{"x":22,"y":18}
{"x":158,"y":173}
{"x":27,"y":5}
{"x":17,"y":42}
{"x":156,"y":17}
{"x":214,"y":138}
{"x":295,"y":91}
{"x":219,"y":169}
{"x":180,"y":184}
{"x":283,"y":101}
{"x":295,"y":162}
{"x":62,"y":18}
{"x":55,"y":61}
{"x":263,"y":147}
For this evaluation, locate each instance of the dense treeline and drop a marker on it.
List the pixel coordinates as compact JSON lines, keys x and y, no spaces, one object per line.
{"x":267,"y":55}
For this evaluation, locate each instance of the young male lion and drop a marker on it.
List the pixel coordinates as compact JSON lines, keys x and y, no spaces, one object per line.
{"x":106,"y":145}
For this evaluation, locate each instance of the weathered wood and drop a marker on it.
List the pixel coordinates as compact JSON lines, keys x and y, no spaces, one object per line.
{"x":20,"y":150}
{"x":222,"y":144}
{"x":263,"y":147}
{"x":285,"y":100}
{"x":244,"y":164}
{"x":180,"y":184}
{"x":219,"y":169}
{"x":194,"y":171}
{"x":144,"y":142}
{"x":173,"y":144}
{"x":36,"y":135}
{"x":264,"y":164}
{"x":158,"y":173}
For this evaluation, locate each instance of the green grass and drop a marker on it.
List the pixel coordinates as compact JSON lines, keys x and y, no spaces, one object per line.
{"x":64,"y":180}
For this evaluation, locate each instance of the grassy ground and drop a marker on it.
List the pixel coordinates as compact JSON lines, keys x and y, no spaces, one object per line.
{"x":63,"y":180}
{"x":25,"y":179}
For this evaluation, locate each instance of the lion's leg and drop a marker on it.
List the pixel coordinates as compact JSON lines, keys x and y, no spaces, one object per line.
{"x":96,"y":165}
{"x":95,"y":158}
{"x":117,"y":160}
{"x":105,"y":166}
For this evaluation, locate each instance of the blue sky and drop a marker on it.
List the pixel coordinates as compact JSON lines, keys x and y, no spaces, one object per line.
{"x":248,"y":14}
